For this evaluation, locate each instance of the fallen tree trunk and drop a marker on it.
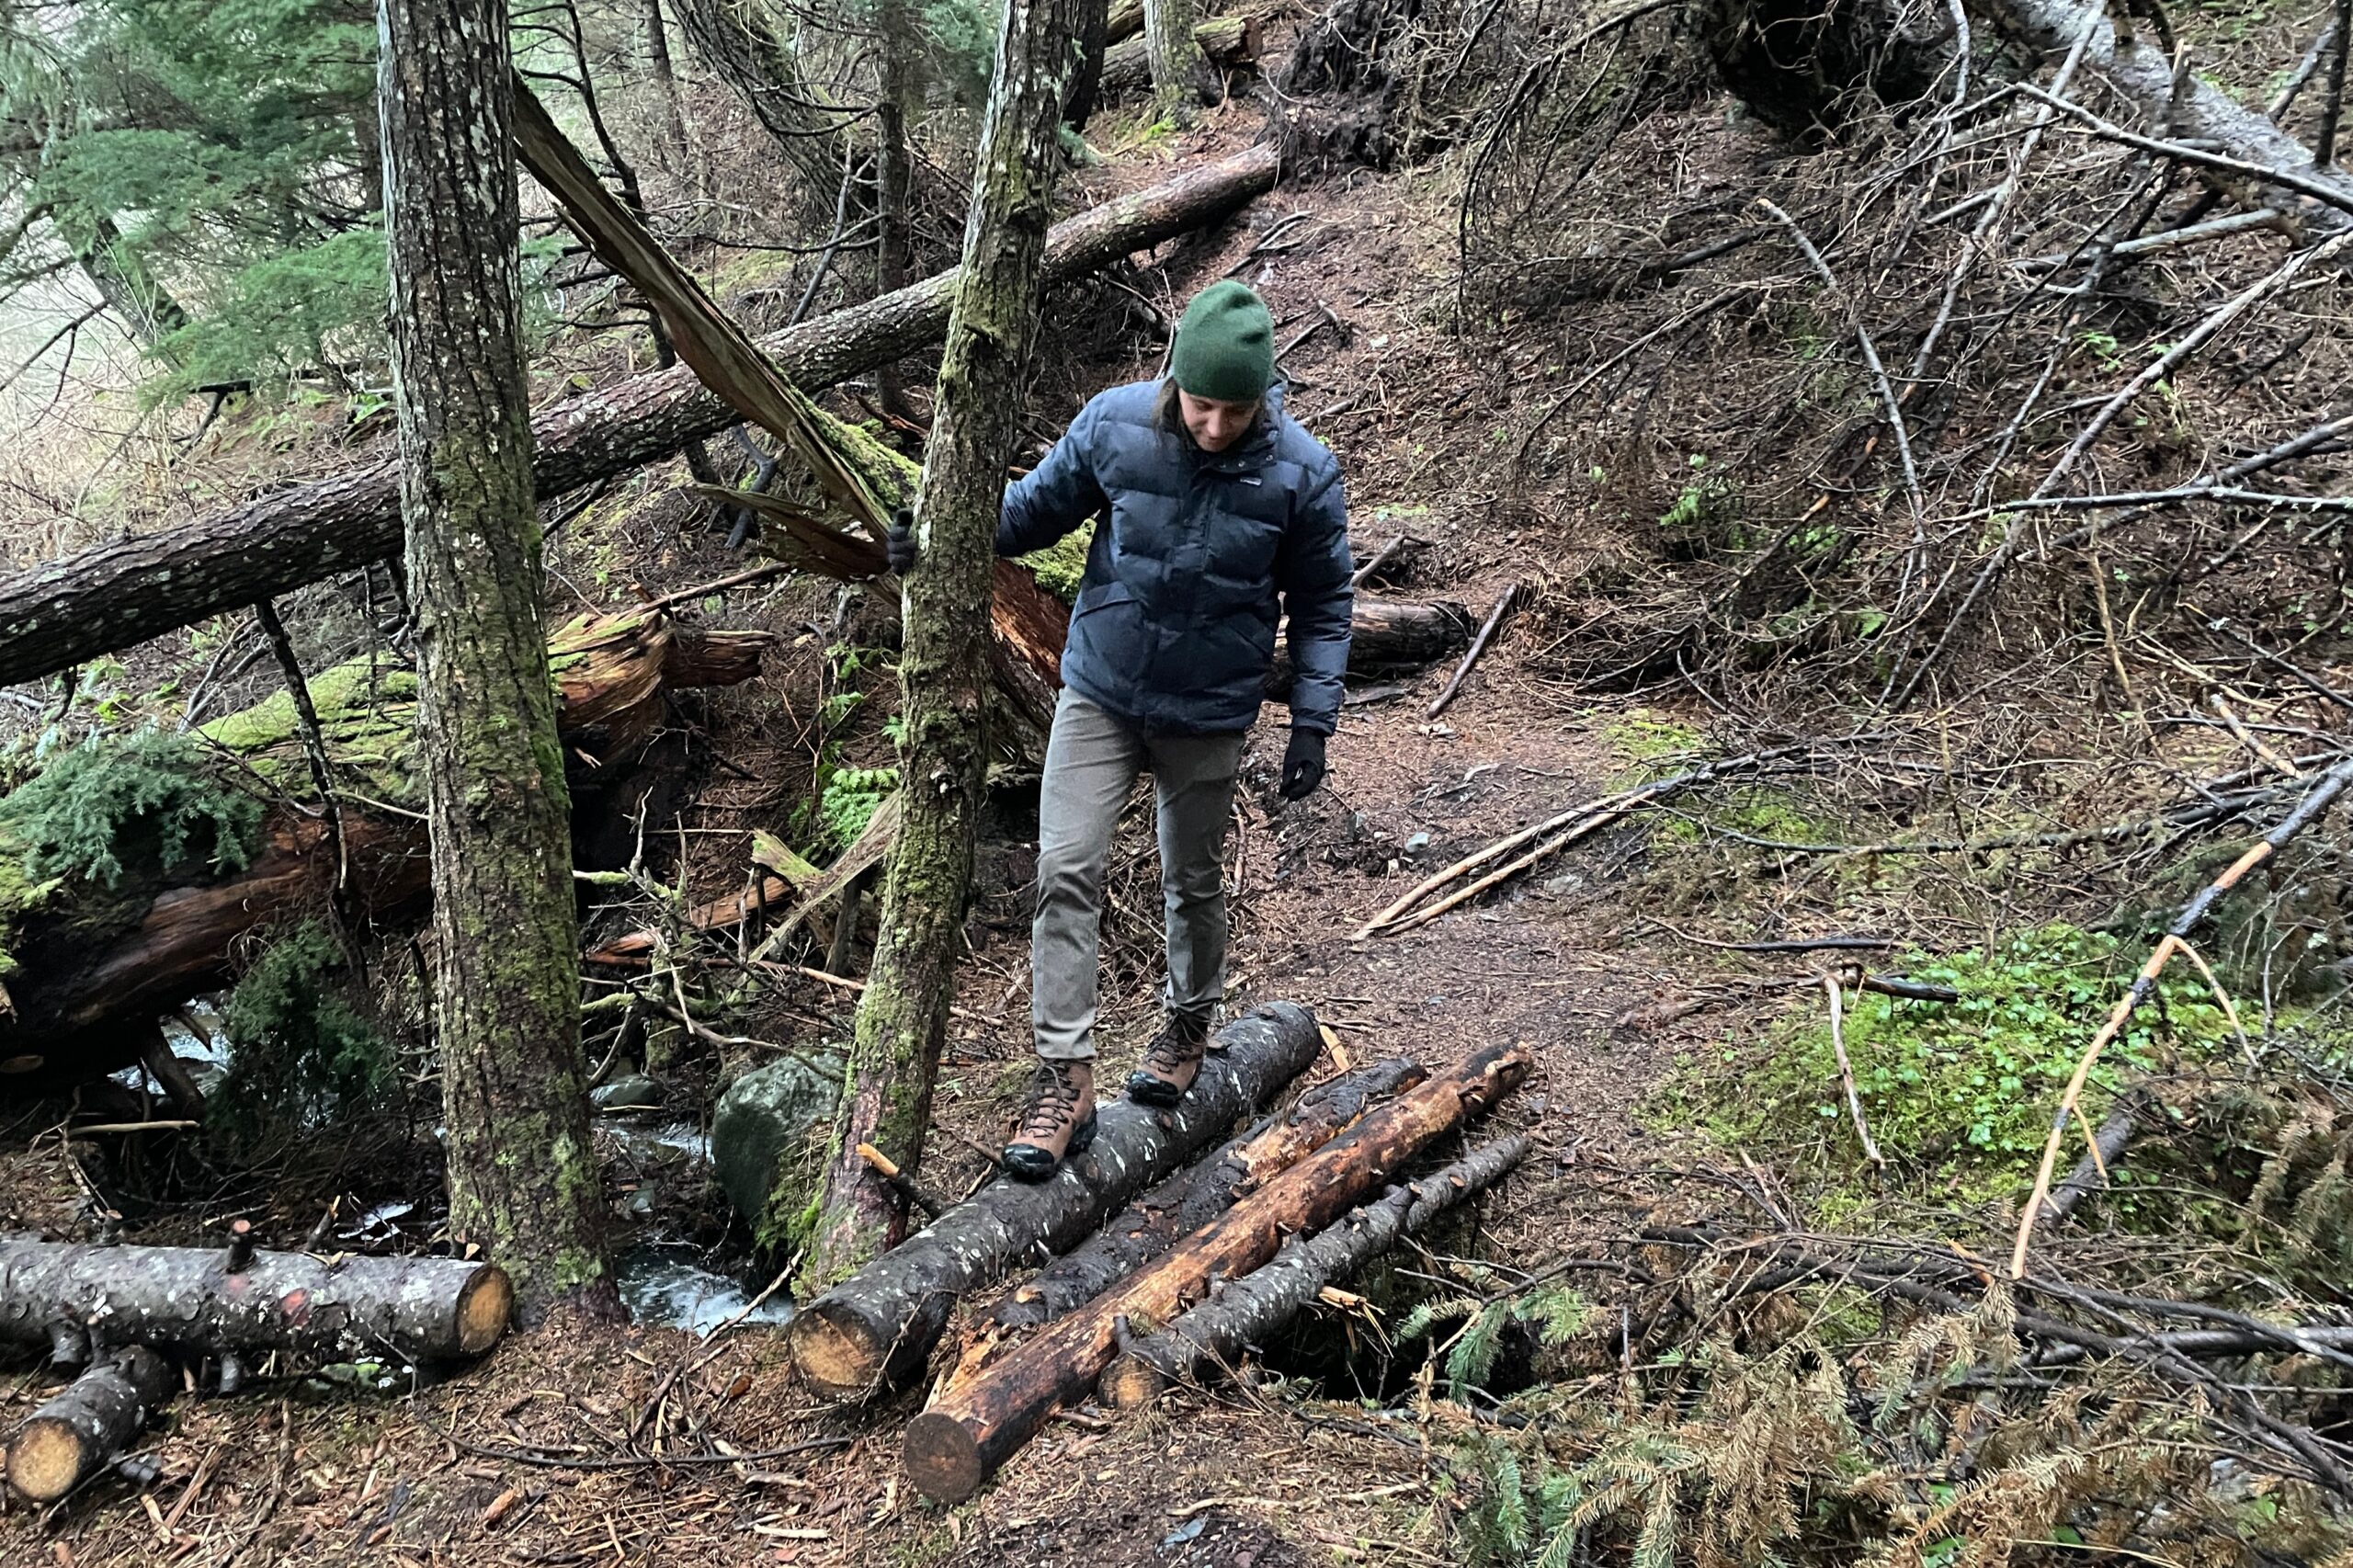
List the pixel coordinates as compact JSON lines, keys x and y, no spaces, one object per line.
{"x":1386,"y":636}
{"x":1192,"y":1198}
{"x":83,"y":1428}
{"x":877,"y":1327}
{"x":114,"y":596}
{"x":1228,"y":42}
{"x":2137,"y":68}
{"x":2108,"y":1144}
{"x":1211,"y":1337}
{"x":951,"y":1448}
{"x":92,"y":967}
{"x":288,"y":1303}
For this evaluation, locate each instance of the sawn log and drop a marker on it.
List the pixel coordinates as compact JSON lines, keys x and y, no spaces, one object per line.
{"x":1243,"y":1313}
{"x":1194,"y":1196}
{"x":877,"y":1327}
{"x":950,"y":1448}
{"x":84,"y":1426}
{"x":289,"y":1303}
{"x":114,"y":596}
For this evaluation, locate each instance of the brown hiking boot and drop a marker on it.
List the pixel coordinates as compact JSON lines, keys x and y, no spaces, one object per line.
{"x":1171,"y":1062}
{"x":1059,"y":1119}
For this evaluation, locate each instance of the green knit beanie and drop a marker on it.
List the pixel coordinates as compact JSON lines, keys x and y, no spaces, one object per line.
{"x":1225,"y":345}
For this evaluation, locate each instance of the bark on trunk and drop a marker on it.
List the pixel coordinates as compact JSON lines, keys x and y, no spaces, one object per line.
{"x":93,"y":969}
{"x":82,"y":1430}
{"x":115,"y":595}
{"x":874,"y":1329}
{"x":289,"y":1303}
{"x":945,"y":647}
{"x":670,"y":122}
{"x":146,"y":309}
{"x":1211,"y":1337}
{"x":894,"y":177}
{"x":1386,"y":636}
{"x":506,"y":957}
{"x":1124,"y":21}
{"x":739,"y":41}
{"x":1085,"y":83}
{"x":1225,"y":43}
{"x":951,"y":1448}
{"x":1181,"y":78}
{"x":2138,"y":69}
{"x":1191,"y":1199}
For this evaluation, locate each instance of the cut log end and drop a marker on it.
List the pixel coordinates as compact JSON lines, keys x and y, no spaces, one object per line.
{"x":1131,"y":1383}
{"x":943,"y":1457}
{"x":485,"y":1307}
{"x":835,"y":1357}
{"x":47,"y":1458}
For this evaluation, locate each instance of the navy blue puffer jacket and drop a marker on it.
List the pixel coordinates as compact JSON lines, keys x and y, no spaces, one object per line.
{"x":1198,"y":557}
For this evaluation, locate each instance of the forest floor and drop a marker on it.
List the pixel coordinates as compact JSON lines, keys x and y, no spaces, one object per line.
{"x":1247,"y":1481}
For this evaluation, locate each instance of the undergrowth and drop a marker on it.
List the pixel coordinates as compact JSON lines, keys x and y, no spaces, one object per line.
{"x":301,"y":1055}
{"x":1961,"y":1094}
{"x":114,"y":804}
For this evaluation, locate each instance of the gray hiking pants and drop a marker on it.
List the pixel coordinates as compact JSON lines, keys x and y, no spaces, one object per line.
{"x":1092,"y":760}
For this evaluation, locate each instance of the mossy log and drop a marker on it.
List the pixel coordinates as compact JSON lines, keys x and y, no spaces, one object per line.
{"x":1194,"y":1196}
{"x":876,"y":1328}
{"x":237,"y":1301}
{"x":92,"y":967}
{"x":1243,"y":1312}
{"x":951,"y":1448}
{"x":1227,"y":43}
{"x":114,"y":596}
{"x":87,"y":1424}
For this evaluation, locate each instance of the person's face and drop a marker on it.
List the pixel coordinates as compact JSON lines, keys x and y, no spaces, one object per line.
{"x":1215,"y":426}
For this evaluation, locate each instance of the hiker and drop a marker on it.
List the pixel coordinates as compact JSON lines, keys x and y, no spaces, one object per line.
{"x":1222,"y":514}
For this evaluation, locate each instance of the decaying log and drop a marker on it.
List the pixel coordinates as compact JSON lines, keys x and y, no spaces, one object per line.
{"x":952,"y":1447}
{"x":289,"y":1303}
{"x":877,"y":1327}
{"x":1211,"y":1337}
{"x":1386,"y":636}
{"x":93,"y":967}
{"x":80,"y":1431}
{"x":114,"y":596}
{"x":1194,"y":1196}
{"x":1228,"y":42}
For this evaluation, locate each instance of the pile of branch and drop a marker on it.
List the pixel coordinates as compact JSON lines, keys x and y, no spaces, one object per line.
{"x":983,"y":1413}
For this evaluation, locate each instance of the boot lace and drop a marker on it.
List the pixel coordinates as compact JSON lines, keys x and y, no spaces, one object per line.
{"x":1175,"y":1048}
{"x":1053,"y":1102}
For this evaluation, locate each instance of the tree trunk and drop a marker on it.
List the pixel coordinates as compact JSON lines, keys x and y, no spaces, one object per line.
{"x":289,"y":1303}
{"x":2138,"y":69}
{"x":895,"y":178}
{"x":115,"y":595}
{"x":81,"y":1430}
{"x":146,"y":309}
{"x":951,"y":1448}
{"x":1192,"y":1198}
{"x":670,"y":121}
{"x":1181,"y":78}
{"x":1080,"y":101}
{"x":1225,"y":43}
{"x":875,"y":1329}
{"x":946,"y":652}
{"x":506,"y":953}
{"x":738,"y":40}
{"x":92,"y":968}
{"x":1246,"y":1311}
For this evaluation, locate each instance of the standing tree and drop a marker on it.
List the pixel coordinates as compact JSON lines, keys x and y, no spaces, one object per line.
{"x":1181,"y":78}
{"x":523,"y":1180}
{"x":944,"y":667}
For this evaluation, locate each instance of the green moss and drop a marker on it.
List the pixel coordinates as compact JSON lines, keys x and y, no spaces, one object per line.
{"x":1645,"y":739}
{"x":1060,"y":565}
{"x":1959,"y":1094}
{"x":366,"y":715}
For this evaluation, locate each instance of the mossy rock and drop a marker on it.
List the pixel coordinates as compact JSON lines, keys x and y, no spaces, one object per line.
{"x":768,"y":1140}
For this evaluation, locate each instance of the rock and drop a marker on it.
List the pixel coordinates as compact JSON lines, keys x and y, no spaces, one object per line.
{"x":767,"y":1139}
{"x":633,"y":1092}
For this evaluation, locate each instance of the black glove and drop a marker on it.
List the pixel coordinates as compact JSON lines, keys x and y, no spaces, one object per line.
{"x":1302,"y":764}
{"x":899,"y":541}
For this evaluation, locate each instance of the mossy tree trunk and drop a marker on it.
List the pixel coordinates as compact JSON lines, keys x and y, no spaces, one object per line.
{"x":523,"y":1181}
{"x":1181,"y":78}
{"x":946,"y":656}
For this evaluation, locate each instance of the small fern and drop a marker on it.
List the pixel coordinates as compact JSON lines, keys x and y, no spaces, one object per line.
{"x":112,"y":803}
